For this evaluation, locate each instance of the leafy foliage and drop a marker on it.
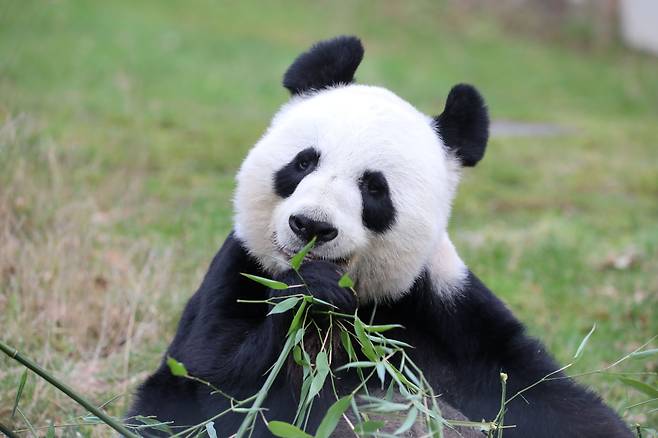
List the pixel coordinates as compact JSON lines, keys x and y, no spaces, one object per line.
{"x":19,"y":391}
{"x":176,"y":368}
{"x":387,"y":361}
{"x":272,"y":284}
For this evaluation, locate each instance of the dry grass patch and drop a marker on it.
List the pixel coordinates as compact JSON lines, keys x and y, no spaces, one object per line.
{"x":73,"y":295}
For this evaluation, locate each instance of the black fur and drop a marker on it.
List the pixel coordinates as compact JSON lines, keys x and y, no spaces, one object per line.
{"x":464,"y":344}
{"x":233,"y":344}
{"x":327,"y":63}
{"x":461,"y":344}
{"x":464,"y":124}
{"x":378,"y":210}
{"x":289,"y":176}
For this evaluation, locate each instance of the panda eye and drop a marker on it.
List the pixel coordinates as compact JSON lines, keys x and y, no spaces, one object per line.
{"x":375,"y":187}
{"x":306,"y":160}
{"x":303,"y":164}
{"x":374,"y":183}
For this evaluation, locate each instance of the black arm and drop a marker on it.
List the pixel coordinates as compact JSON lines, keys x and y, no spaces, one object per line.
{"x":477,"y":339}
{"x":227,"y":343}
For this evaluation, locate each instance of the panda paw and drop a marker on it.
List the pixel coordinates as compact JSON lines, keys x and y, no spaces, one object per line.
{"x":322,"y":278}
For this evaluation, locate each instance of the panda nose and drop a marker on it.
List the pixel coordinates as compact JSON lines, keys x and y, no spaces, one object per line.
{"x":306,"y":228}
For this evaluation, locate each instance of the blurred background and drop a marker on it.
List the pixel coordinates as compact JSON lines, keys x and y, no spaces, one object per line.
{"x":123,"y":123}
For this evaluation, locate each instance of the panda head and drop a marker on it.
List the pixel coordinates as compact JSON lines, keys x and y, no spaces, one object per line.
{"x":363,"y":171}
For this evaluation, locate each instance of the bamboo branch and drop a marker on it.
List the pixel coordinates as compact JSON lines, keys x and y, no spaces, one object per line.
{"x":249,"y":419}
{"x":7,"y":431}
{"x":32,"y":366}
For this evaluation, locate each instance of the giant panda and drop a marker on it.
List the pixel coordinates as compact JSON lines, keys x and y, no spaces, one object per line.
{"x":372,"y":180}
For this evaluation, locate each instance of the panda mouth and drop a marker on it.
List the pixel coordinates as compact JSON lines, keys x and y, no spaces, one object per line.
{"x":340,"y":261}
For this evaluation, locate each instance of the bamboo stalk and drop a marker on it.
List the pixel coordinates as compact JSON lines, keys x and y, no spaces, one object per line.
{"x":7,"y":431}
{"x":32,"y":366}
{"x":248,"y":420}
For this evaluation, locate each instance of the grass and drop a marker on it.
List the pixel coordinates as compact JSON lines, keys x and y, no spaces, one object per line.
{"x":122,"y":125}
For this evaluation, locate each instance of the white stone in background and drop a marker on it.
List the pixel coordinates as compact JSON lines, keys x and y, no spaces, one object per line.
{"x":639,"y":24}
{"x":511,"y":128}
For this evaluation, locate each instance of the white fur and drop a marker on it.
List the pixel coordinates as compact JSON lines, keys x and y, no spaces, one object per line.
{"x":355,"y":128}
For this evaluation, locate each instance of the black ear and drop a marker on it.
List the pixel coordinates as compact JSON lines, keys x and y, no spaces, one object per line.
{"x":464,"y":124}
{"x":327,"y":63}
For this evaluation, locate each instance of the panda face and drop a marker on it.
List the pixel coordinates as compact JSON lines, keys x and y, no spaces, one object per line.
{"x":361,"y":170}
{"x":378,"y":212}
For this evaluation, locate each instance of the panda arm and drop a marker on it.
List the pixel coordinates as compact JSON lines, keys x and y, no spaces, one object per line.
{"x":482,"y":338}
{"x":222,"y":340}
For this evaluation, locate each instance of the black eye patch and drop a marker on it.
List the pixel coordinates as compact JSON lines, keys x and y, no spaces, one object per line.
{"x":378,"y":210}
{"x":289,"y":176}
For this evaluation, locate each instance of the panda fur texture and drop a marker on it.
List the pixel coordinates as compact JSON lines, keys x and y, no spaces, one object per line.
{"x":373,"y":179}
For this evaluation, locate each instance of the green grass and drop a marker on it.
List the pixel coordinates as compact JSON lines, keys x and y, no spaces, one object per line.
{"x":128,"y":121}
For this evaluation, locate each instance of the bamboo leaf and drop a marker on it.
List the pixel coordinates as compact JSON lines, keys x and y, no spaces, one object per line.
{"x":411,"y":376}
{"x":346,"y":281}
{"x":297,"y":259}
{"x":368,"y":427}
{"x":347,"y":344}
{"x":307,"y":367}
{"x":383,"y":406}
{"x":644,"y":354}
{"x":19,"y":392}
{"x":152,"y":423}
{"x":409,"y":421}
{"x":640,"y":386}
{"x":481,"y":426}
{"x":392,"y":342}
{"x":366,"y":345}
{"x":381,"y":328}
{"x":285,"y":305}
{"x":299,"y":335}
{"x":428,"y":413}
{"x":315,"y":300}
{"x":321,"y":372}
{"x":210,"y":428}
{"x":435,"y":428}
{"x":272,"y":284}
{"x":176,"y":368}
{"x":286,"y":430}
{"x":303,"y":396}
{"x":399,"y":377}
{"x":583,"y":343}
{"x":294,"y":325}
{"x":390,"y":391}
{"x":331,"y":418}
{"x":322,"y":363}
{"x":381,"y":372}
{"x":356,"y":365}
{"x":297,"y":355}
